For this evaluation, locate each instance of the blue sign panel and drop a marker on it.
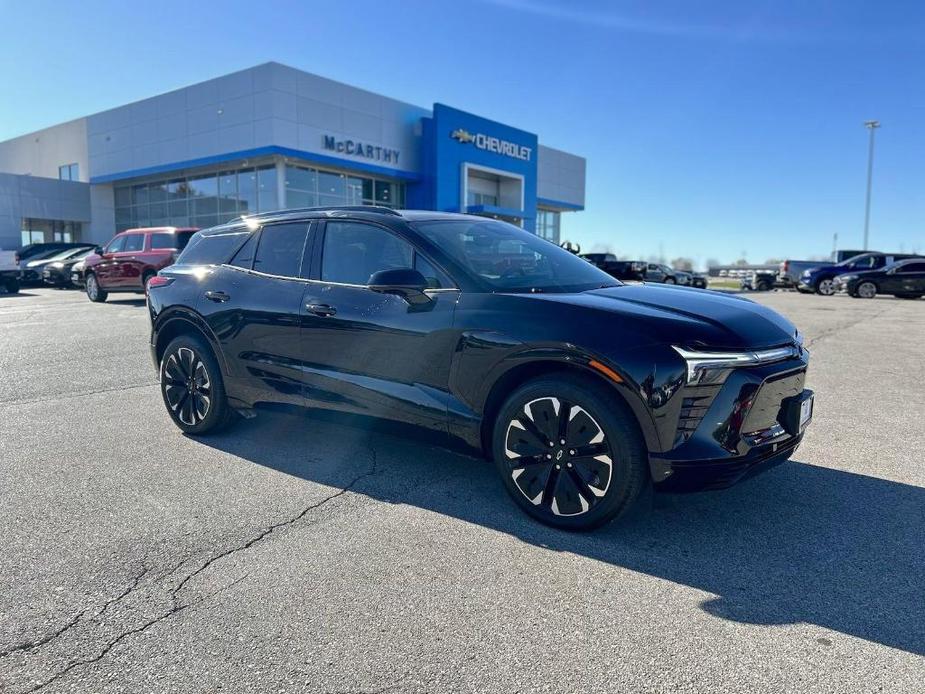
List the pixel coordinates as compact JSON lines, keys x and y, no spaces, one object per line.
{"x":455,"y":141}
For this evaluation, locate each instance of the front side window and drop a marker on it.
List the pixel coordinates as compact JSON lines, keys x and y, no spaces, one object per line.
{"x":507,"y":258}
{"x":353,"y":251}
{"x":133,"y":242}
{"x":116,"y":245}
{"x":280,"y":249}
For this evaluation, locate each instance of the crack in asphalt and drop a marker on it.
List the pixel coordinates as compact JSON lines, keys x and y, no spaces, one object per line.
{"x":48,"y":638}
{"x":844,"y":326}
{"x":82,"y":394}
{"x":177,"y":607}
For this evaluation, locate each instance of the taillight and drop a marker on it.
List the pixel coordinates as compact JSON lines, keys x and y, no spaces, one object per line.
{"x":159,"y":281}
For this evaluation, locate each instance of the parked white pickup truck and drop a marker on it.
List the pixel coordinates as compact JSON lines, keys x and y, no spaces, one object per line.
{"x":9,"y":271}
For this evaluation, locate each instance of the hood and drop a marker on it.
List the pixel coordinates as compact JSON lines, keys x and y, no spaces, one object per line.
{"x":684,"y":316}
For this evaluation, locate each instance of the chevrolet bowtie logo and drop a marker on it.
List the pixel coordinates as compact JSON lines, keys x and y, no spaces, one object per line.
{"x":464,"y":136}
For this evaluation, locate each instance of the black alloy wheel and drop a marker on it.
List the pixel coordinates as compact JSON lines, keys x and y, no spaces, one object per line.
{"x":568,"y":454}
{"x":192,"y":387}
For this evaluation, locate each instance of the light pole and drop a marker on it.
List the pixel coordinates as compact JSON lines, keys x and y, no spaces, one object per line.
{"x":871,"y":125}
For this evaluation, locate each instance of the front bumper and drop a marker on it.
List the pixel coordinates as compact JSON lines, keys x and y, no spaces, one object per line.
{"x":732,"y":430}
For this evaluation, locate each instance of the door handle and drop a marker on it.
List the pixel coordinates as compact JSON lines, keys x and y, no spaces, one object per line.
{"x":320,"y":309}
{"x":217,"y":296}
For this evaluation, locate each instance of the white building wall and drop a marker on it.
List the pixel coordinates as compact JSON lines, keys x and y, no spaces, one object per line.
{"x":270,"y":104}
{"x":560,"y":176}
{"x":42,"y":152}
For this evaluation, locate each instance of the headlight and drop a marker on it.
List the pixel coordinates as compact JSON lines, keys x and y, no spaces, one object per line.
{"x":701,"y":364}
{"x":806,"y":273}
{"x":58,"y":265}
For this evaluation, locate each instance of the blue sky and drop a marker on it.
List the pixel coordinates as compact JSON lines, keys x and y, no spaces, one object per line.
{"x":711,"y":129}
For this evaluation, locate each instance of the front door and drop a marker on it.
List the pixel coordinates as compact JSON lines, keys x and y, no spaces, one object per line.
{"x":253,"y":305}
{"x":372,"y":353}
{"x":908,"y":279}
{"x":106,"y":269}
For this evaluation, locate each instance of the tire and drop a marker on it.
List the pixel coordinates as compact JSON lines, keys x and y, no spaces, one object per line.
{"x":12,"y":286}
{"x":529,"y":427}
{"x":192,"y":387}
{"x":866,"y":290}
{"x":825,"y":286}
{"x":763,"y":287}
{"x":92,"y":286}
{"x":670,"y":280}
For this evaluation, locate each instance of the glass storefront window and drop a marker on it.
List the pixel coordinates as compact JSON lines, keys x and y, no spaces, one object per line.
{"x":208,"y":199}
{"x":267,"y":200}
{"x":547,"y":225}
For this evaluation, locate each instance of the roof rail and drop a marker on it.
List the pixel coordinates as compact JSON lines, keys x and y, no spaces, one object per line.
{"x":374,"y":209}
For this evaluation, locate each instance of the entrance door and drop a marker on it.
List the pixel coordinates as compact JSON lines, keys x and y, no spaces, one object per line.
{"x":371,"y":353}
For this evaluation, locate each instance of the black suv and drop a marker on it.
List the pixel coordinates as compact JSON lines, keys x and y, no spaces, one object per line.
{"x":583,"y":390}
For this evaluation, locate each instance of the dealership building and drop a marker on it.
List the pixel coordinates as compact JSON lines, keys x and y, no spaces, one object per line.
{"x":273,"y":137}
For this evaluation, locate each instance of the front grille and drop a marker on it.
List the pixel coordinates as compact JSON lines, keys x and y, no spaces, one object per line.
{"x":767,"y":402}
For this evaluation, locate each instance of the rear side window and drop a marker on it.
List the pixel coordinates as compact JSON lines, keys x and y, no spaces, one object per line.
{"x":214,"y":249}
{"x":912,"y":267}
{"x":280,"y":248}
{"x":176,"y":242}
{"x":133,"y":242}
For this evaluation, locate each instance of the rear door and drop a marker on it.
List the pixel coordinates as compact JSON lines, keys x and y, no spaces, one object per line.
{"x":253,"y":304}
{"x":654,"y":273}
{"x":372,"y":353}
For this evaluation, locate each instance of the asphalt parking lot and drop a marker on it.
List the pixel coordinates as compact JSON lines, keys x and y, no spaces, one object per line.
{"x":295,"y":555}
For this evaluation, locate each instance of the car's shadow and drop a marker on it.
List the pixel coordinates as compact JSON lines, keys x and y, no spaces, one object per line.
{"x":800,"y":543}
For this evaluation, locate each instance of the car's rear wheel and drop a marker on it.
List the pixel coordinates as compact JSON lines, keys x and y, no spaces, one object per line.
{"x":192,"y":387}
{"x":568,"y":454}
{"x":12,"y":286}
{"x":867,"y":290}
{"x":94,"y":291}
{"x":825,"y":286}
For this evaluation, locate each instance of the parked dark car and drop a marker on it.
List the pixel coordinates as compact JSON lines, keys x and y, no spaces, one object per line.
{"x":658,"y":272}
{"x":32,"y":269}
{"x":699,"y":280}
{"x":905,"y":279}
{"x":33,"y":251}
{"x":583,"y":390}
{"x":132,"y":258}
{"x":633,"y":270}
{"x":821,"y":279}
{"x":759,"y":281}
{"x":57,"y":272}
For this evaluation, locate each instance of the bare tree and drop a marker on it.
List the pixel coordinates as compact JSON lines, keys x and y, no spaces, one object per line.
{"x":683,"y":264}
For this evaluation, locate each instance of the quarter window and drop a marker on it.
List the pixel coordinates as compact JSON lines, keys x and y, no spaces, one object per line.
{"x":353,"y":251}
{"x":279,"y":251}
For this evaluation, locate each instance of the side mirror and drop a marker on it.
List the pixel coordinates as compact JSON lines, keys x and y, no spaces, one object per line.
{"x":407,"y":283}
{"x":99,"y":251}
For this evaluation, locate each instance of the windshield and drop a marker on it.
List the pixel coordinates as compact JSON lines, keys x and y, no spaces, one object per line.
{"x":850,"y":262}
{"x":510,"y":259}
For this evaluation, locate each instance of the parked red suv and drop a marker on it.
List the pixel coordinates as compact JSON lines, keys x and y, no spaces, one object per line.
{"x":132,"y":258}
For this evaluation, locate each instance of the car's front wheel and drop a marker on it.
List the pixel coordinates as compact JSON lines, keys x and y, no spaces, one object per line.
{"x":670,"y":280}
{"x":825,"y":286}
{"x":568,"y":454}
{"x":192,"y":387}
{"x":94,"y":291}
{"x":867,"y":290}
